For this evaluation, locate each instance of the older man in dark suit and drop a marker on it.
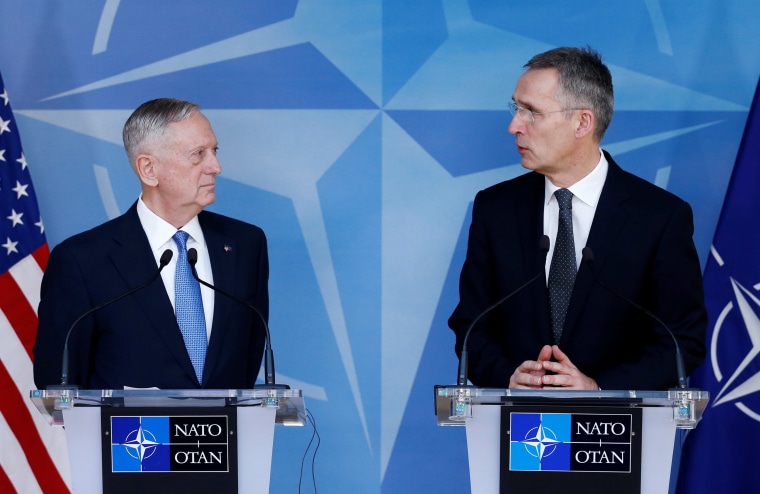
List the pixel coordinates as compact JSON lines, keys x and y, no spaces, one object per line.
{"x":573,"y":331}
{"x":174,"y":333}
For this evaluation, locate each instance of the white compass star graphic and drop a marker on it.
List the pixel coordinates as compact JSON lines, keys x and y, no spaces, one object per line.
{"x":140,"y":444}
{"x":542,"y":443}
{"x":745,"y":301}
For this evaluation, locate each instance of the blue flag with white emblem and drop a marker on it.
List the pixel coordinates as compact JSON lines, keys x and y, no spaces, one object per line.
{"x":720,"y":455}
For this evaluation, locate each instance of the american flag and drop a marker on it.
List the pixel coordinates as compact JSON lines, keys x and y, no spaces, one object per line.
{"x":32,"y":453}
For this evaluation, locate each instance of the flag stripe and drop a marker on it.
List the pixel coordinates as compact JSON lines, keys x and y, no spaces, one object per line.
{"x":18,"y":311}
{"x":19,"y":366}
{"x":5,"y":482}
{"x":41,"y":255}
{"x":18,"y":417}
{"x":14,"y":464}
{"x":28,"y":276}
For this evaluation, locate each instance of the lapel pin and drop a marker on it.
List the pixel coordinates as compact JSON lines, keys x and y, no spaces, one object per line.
{"x":227,"y":248}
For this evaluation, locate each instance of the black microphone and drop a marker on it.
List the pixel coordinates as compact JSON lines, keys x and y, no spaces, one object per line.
{"x":462,"y":375}
{"x":588,"y":255}
{"x":269,"y":374}
{"x":165,"y":258}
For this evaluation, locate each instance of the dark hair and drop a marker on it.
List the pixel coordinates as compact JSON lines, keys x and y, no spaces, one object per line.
{"x":150,"y":119}
{"x":584,"y":81}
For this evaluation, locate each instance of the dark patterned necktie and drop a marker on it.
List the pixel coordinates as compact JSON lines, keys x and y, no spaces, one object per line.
{"x":562,"y":270}
{"x":188,"y":305}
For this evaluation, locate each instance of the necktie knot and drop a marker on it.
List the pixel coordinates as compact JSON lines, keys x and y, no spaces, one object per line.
{"x":180,"y":238}
{"x":564,"y":198}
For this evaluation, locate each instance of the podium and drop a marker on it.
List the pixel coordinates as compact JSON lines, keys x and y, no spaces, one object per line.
{"x":152,"y":440}
{"x":579,"y":441}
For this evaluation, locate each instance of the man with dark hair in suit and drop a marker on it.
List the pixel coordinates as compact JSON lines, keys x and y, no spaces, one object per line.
{"x":570,"y":331}
{"x":139,"y":341}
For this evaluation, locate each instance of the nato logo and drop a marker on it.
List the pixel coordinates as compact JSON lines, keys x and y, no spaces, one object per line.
{"x":565,"y":442}
{"x":169,"y":444}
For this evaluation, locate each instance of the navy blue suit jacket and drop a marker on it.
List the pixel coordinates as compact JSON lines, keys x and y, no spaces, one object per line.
{"x":136,"y":341}
{"x":641,"y":238}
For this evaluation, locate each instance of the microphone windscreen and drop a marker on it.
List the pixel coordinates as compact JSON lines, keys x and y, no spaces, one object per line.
{"x":587,"y":254}
{"x":166,"y":257}
{"x":543,"y":244}
{"x":192,"y":256}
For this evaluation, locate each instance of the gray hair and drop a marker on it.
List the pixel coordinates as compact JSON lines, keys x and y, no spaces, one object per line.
{"x":150,"y":120}
{"x":584,"y":81}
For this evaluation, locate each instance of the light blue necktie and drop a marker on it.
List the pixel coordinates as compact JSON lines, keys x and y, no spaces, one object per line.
{"x":563,"y":267}
{"x":188,"y":306}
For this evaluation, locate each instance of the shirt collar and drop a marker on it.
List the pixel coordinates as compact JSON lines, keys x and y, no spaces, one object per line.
{"x":588,"y":189}
{"x":159,"y":231}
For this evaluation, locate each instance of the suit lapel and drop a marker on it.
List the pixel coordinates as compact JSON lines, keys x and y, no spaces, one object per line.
{"x":222,"y":254}
{"x":609,"y":220}
{"x":531,"y":219}
{"x":135,"y":263}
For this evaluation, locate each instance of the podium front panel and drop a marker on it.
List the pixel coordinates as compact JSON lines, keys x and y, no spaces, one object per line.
{"x":255,"y":427}
{"x":169,"y":450}
{"x":570,"y":448}
{"x":484,"y":449}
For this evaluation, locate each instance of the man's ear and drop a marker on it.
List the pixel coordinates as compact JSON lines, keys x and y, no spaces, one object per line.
{"x":585,"y":124}
{"x":145,"y":166}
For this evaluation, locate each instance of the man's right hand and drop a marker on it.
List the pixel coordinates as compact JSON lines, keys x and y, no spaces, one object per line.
{"x":529,"y":374}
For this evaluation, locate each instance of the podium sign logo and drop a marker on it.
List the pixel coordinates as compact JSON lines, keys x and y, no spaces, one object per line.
{"x":570,"y":442}
{"x":170,"y":444}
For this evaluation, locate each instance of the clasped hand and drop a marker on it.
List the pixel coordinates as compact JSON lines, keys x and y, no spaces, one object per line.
{"x":552,"y":369}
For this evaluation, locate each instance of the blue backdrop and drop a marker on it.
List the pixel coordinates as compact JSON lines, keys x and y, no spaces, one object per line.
{"x":356,"y":133}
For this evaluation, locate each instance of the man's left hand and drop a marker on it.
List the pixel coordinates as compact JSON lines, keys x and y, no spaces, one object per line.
{"x":566,"y":374}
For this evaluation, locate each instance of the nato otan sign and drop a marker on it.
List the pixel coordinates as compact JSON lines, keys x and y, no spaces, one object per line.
{"x":170,"y":444}
{"x":570,"y":442}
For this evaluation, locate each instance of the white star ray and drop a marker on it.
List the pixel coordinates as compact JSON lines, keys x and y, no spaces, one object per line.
{"x":540,"y":442}
{"x":420,"y":229}
{"x":347,"y":32}
{"x":105,"y":125}
{"x":107,"y":197}
{"x":478,"y":65}
{"x":752,"y":323}
{"x":662,"y":177}
{"x":648,"y":140}
{"x":311,"y":219}
{"x":289,"y":151}
{"x":262,"y":40}
{"x":659,"y":27}
{"x":107,"y":16}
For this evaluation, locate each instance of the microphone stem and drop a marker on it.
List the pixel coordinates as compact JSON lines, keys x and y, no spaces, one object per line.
{"x":269,"y":372}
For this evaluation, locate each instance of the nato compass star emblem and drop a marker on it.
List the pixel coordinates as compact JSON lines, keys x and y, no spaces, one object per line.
{"x":745,"y":379}
{"x":140,"y":444}
{"x":540,"y":442}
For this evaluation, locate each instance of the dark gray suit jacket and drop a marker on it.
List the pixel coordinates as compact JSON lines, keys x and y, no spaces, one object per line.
{"x":641,"y":238}
{"x":136,"y":341}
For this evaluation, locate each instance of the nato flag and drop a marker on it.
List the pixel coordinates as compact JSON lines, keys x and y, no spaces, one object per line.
{"x":720,"y":455}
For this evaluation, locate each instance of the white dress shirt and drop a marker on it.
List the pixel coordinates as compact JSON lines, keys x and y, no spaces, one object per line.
{"x":160,"y":235}
{"x":586,"y":194}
